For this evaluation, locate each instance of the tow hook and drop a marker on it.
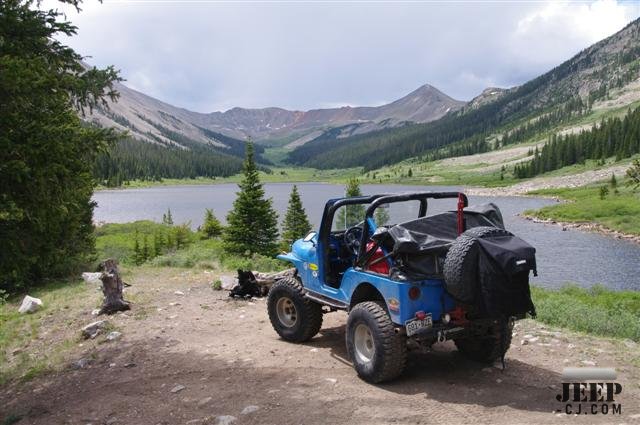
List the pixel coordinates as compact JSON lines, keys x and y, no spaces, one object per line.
{"x":442,"y":336}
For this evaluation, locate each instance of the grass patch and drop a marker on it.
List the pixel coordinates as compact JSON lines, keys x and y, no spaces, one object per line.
{"x":209,"y":254}
{"x":596,"y":311}
{"x":24,"y":354}
{"x":616,"y":211}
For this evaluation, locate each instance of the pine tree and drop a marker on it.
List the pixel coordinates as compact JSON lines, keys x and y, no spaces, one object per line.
{"x":211,"y":228}
{"x":157,"y":244}
{"x":296,"y":224}
{"x":252,"y":223}
{"x":613,"y":182}
{"x":350,"y":215}
{"x":382,"y":215}
{"x":167,"y":218}
{"x":137,"y":252}
{"x":604,"y":191}
{"x":633,"y":174}
{"x":46,"y":151}
{"x":146,"y":252}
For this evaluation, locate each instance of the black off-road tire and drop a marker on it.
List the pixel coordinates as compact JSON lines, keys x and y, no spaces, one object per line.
{"x":389,"y":355}
{"x":486,"y":349}
{"x":460,"y":265}
{"x":305,"y":321}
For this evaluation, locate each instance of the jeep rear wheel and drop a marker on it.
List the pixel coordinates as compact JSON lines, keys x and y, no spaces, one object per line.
{"x":378,"y":352}
{"x":294,"y":318}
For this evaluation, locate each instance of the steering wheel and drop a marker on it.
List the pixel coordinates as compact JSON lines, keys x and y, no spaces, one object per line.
{"x":352,"y":238}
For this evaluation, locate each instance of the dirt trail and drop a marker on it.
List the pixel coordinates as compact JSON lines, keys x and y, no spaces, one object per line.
{"x":228,"y":359}
{"x":573,"y":180}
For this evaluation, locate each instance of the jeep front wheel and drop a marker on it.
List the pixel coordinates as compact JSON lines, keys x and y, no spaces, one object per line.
{"x":294,"y":318}
{"x":378,"y":352}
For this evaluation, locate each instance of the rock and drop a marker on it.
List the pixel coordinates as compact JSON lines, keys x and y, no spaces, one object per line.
{"x":92,"y":278}
{"x":174,"y":304}
{"x":588,"y":363}
{"x":204,"y":401}
{"x":112,"y":365}
{"x":524,"y":342}
{"x":177,"y":389}
{"x":228,"y":282}
{"x":94,"y":329}
{"x":178,"y":293}
{"x":534,"y":339}
{"x":16,"y":352}
{"x":80,"y":363}
{"x":498,"y":381}
{"x":95,"y":312}
{"x":249,"y":409}
{"x":113,"y":336}
{"x":129,"y":365}
{"x":314,"y":350}
{"x":487,"y":369}
{"x":331,"y":380}
{"x":225,"y":419}
{"x":528,"y":336}
{"x":30,"y":305}
{"x":111,"y":421}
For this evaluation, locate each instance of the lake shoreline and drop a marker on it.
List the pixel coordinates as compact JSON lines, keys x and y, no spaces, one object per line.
{"x":590,"y":227}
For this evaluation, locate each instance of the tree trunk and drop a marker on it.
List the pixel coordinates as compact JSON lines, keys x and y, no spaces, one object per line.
{"x":112,"y":286}
{"x":267,"y":279}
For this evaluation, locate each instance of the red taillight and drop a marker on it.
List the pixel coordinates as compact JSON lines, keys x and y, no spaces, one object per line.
{"x":414,"y":293}
{"x":421,"y":315}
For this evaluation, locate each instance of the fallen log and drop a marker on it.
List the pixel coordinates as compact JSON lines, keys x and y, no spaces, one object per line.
{"x":112,"y":286}
{"x":257,"y":284}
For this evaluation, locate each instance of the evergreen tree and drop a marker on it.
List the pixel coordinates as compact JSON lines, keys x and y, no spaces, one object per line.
{"x":211,"y":228}
{"x":252,"y":223}
{"x":46,"y":152}
{"x":633,"y":174}
{"x":157,"y":244}
{"x":382,"y":215}
{"x":613,"y":182}
{"x":296,"y":224}
{"x":167,"y":218}
{"x":146,"y":253}
{"x":604,"y":191}
{"x":137,"y":252}
{"x":350,"y":215}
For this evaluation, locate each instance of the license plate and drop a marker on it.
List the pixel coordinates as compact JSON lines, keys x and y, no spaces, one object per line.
{"x":416,"y":325}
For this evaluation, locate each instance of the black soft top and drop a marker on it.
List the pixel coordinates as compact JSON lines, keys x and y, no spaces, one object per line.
{"x":434,"y":234}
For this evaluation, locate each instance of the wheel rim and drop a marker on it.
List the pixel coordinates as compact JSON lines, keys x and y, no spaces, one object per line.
{"x":286,"y":310}
{"x":363,"y":341}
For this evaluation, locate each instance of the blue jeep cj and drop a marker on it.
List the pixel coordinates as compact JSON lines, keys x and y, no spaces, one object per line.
{"x":456,"y":275}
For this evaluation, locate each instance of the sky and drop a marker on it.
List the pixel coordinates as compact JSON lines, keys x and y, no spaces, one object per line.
{"x":215,"y":55}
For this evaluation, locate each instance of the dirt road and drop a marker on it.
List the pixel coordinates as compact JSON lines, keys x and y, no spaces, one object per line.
{"x":203,"y":358}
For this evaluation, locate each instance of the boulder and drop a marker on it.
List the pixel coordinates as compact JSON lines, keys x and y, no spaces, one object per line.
{"x":30,"y":305}
{"x":94,"y":329}
{"x":113,"y":336}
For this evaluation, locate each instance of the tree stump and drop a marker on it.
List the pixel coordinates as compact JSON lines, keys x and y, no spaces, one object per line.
{"x":112,"y":286}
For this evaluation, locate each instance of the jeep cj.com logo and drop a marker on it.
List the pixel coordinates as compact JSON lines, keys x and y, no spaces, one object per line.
{"x":590,"y":391}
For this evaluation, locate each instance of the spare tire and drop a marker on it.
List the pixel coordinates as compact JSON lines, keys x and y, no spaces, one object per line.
{"x":461,"y":263}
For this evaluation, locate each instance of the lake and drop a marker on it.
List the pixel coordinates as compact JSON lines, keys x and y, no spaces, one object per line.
{"x":563,"y":256}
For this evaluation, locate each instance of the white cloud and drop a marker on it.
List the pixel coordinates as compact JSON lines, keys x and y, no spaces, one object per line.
{"x":214,"y":56}
{"x":559,"y":29}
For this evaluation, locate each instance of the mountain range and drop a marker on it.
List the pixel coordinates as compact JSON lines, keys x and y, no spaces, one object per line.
{"x":149,"y":119}
{"x":424,"y":122}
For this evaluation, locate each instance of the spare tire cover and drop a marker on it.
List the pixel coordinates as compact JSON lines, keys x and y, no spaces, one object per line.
{"x":461,"y":263}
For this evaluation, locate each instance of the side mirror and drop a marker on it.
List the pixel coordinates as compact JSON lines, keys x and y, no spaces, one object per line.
{"x":309,"y":237}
